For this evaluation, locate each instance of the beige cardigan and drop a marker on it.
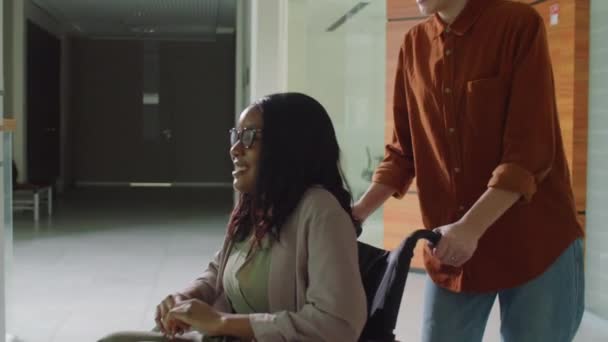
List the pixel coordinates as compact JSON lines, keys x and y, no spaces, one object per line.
{"x":315,"y":291}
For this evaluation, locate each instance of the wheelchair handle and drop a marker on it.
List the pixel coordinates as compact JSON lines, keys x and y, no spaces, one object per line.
{"x":385,"y":304}
{"x":409,"y":244}
{"x":429,"y":235}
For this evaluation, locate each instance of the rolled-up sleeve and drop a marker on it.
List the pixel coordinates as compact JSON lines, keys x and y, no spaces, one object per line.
{"x":529,"y":136}
{"x":397,"y":169}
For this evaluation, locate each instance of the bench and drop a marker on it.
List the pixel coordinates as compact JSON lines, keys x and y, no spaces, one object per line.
{"x":32,"y":197}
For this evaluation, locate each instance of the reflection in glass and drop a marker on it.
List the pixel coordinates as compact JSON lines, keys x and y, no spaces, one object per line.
{"x":337,"y":54}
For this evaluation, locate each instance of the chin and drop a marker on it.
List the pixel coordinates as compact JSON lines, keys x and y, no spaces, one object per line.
{"x":241,"y":187}
{"x":426,"y":10}
{"x":237,"y":187}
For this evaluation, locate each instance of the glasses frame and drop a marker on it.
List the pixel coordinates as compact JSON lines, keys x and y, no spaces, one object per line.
{"x":240,"y":133}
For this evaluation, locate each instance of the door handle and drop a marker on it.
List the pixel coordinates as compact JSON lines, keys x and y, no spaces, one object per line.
{"x":168,"y":134}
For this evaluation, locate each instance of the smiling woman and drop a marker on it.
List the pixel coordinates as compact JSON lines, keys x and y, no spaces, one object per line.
{"x":288,"y":269}
{"x":244,"y":150}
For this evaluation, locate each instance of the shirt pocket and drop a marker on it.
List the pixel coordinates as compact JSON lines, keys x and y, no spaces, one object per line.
{"x":486,"y":107}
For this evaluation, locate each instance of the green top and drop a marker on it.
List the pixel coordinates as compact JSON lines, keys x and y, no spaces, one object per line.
{"x":246,"y":277}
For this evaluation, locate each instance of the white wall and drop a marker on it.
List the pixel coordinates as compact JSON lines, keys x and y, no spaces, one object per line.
{"x":14,"y":52}
{"x":1,"y":52}
{"x":268,"y":47}
{"x":242,"y":57}
{"x":597,"y":189}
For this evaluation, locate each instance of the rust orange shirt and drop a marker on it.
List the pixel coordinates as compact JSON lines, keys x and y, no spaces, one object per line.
{"x":474,"y":107}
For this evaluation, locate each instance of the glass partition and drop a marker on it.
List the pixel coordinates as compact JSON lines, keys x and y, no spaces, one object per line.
{"x":337,"y":54}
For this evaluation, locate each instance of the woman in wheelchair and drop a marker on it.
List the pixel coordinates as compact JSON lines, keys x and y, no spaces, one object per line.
{"x":288,"y":269}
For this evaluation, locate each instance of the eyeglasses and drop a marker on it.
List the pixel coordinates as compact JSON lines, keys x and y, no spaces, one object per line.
{"x":246,"y":136}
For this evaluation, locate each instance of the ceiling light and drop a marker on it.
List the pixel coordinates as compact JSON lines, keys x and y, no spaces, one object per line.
{"x":147,"y":30}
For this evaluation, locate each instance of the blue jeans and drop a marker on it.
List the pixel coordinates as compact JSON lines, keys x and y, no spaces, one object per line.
{"x":547,"y":308}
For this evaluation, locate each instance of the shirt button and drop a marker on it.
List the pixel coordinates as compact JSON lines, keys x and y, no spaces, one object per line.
{"x":452,"y":130}
{"x":448,"y":90}
{"x":461,"y":208}
{"x":448,"y":29}
{"x":448,"y":52}
{"x":457,"y":169}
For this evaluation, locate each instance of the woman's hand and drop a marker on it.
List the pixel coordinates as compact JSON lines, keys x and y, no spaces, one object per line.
{"x":460,"y":239}
{"x":167,"y":326}
{"x":198,"y":315}
{"x":458,"y":243}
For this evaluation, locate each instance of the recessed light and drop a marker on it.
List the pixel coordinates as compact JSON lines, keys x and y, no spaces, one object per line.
{"x":143,"y":30}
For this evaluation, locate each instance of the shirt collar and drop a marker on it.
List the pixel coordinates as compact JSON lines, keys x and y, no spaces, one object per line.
{"x":465,"y":20}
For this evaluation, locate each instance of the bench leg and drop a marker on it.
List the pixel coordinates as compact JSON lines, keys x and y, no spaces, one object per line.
{"x":36,"y":206}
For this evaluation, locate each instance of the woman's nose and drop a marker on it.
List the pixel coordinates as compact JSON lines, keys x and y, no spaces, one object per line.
{"x":236,"y":149}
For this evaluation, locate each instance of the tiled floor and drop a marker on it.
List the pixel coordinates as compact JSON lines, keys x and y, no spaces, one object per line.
{"x":106,"y":259}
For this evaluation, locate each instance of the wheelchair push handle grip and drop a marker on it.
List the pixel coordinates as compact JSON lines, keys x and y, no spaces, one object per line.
{"x":431,"y":236}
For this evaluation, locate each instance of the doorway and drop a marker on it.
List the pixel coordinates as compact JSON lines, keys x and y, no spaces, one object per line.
{"x":43,"y":105}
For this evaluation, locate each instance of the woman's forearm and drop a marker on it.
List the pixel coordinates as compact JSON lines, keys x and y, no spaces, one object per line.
{"x":489,"y":208}
{"x":373,"y":198}
{"x":236,"y":326}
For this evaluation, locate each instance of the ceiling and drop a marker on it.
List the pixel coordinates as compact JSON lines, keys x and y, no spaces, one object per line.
{"x":153,"y":19}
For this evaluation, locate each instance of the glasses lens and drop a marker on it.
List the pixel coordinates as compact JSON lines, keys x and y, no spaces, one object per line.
{"x":234,"y":137}
{"x":247,"y":138}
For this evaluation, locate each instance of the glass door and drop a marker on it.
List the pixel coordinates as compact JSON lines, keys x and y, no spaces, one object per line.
{"x":337,"y":54}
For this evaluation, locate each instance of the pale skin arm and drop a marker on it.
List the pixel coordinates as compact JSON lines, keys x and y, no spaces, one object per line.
{"x":373,"y":198}
{"x":459,"y":238}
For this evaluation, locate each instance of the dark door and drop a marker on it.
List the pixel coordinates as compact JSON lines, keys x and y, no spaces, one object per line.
{"x":107,"y":109}
{"x":197,"y":93}
{"x":153,"y":112}
{"x":155,"y":143}
{"x":42,"y":103}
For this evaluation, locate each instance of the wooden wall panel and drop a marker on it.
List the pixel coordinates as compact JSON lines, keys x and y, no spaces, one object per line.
{"x":401,"y":217}
{"x":569,"y":46}
{"x":581,"y":103}
{"x":561,"y":47}
{"x":8,"y":125}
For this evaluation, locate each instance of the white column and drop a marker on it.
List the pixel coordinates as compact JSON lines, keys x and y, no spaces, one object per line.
{"x":3,"y":261}
{"x":17,"y":83}
{"x":268,"y":43}
{"x":298,"y":46}
{"x":16,"y":47}
{"x":596,"y":253}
